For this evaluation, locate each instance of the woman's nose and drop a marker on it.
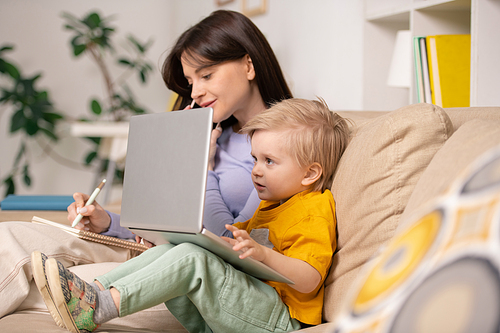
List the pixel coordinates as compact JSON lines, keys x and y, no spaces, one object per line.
{"x":197,"y":91}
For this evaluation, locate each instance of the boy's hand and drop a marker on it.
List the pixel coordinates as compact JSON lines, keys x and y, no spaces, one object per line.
{"x":243,"y":242}
{"x":305,"y":276}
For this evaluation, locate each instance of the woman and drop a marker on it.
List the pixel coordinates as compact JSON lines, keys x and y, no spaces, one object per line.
{"x":223,"y":62}
{"x":226,"y":63}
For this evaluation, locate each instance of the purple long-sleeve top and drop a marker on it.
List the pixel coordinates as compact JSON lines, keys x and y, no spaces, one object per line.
{"x":230,"y":197}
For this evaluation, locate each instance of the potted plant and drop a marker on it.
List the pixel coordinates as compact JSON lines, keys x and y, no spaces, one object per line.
{"x":34,"y":116}
{"x":91,"y":36}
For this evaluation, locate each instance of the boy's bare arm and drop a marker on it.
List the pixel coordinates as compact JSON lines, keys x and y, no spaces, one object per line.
{"x":305,"y":276}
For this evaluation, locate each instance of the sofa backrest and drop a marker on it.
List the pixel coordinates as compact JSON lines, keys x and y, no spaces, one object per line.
{"x":374,"y":180}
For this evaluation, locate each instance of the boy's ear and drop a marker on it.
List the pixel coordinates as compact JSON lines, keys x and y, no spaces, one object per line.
{"x":313,"y":173}
{"x":250,"y":70}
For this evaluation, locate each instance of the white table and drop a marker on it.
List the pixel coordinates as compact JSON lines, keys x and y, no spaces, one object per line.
{"x":113,"y":145}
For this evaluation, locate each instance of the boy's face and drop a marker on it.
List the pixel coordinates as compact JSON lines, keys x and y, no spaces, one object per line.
{"x":276,"y":174}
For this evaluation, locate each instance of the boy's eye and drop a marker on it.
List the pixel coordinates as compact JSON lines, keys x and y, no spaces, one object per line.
{"x":269,"y":161}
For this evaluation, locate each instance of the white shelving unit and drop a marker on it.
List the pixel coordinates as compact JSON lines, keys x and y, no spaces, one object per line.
{"x":383,"y":18}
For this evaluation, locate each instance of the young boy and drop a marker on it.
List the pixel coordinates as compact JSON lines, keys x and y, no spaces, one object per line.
{"x":296,"y":145}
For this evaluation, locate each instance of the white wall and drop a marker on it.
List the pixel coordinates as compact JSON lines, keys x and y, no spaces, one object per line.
{"x":318,"y":43}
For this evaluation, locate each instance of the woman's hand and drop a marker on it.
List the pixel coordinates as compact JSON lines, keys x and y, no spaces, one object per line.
{"x":95,"y":218}
{"x":216,"y":132}
{"x":213,"y":146}
{"x":243,"y":242}
{"x":189,"y":107}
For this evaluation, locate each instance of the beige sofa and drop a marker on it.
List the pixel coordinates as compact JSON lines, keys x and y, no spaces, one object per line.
{"x":395,"y":163}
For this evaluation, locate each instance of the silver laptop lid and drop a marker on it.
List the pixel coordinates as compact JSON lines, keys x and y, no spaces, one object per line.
{"x":166,"y":171}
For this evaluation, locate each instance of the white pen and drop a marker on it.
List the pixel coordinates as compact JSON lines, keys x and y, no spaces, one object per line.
{"x":192,"y":104}
{"x":94,"y":194}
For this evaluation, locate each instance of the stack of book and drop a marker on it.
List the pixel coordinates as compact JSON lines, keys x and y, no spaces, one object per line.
{"x":442,"y":69}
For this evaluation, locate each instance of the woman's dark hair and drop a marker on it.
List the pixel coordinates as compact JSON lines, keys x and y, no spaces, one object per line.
{"x":223,"y":36}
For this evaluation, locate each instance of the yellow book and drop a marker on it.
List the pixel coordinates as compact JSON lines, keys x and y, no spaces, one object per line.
{"x":91,"y":236}
{"x":449,"y":67}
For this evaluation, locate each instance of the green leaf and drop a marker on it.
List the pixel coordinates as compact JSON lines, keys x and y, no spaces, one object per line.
{"x":96,"y":140}
{"x":32,"y":127}
{"x":94,"y":19}
{"x":79,"y":49}
{"x":142,"y":75}
{"x":126,"y":62}
{"x":33,"y":79}
{"x":20,"y":154}
{"x":10,"y":69}
{"x":49,"y":134}
{"x":52,"y":117}
{"x":76,"y":40}
{"x":119,"y":174}
{"x":17,"y":121}
{"x":27,"y":180}
{"x":11,"y":187}
{"x":90,"y":157}
{"x":96,"y":107}
{"x":26,"y":176}
{"x":134,"y":41}
{"x":139,"y":110}
{"x":7,"y":48}
{"x":70,"y":27}
{"x":141,"y":47}
{"x":43,"y":95}
{"x":102,"y":41}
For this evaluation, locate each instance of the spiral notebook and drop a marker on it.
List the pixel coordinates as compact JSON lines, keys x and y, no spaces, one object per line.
{"x":92,"y":236}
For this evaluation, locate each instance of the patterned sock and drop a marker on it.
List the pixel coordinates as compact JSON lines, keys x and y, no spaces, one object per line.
{"x":95,"y":286}
{"x":105,"y":309}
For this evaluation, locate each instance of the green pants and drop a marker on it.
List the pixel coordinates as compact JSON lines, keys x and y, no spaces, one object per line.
{"x":201,"y":290}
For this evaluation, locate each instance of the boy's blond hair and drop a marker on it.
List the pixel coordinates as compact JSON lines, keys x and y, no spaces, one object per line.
{"x":314,"y":134}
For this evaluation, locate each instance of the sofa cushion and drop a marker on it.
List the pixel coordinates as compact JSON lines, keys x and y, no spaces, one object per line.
{"x":440,"y":272}
{"x":39,"y":322}
{"x":373,"y":183}
{"x":33,"y":315}
{"x":460,"y":116}
{"x":470,"y":141}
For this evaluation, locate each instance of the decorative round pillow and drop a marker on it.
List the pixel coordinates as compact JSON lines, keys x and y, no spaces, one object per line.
{"x":440,"y":273}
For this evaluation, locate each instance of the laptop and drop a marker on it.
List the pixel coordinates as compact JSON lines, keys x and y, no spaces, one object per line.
{"x":165,"y":182}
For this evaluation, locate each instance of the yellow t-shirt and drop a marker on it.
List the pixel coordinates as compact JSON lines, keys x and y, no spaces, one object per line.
{"x":302,"y":228}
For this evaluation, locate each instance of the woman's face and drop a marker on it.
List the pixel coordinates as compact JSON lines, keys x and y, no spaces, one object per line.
{"x":226,"y":87}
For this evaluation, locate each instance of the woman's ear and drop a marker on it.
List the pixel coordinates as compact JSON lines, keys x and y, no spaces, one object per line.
{"x":313,"y":173}
{"x":250,"y":70}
